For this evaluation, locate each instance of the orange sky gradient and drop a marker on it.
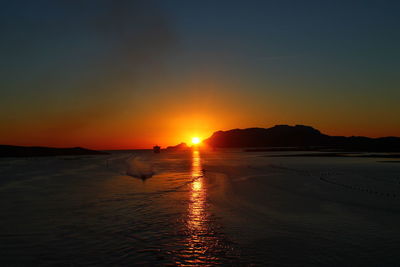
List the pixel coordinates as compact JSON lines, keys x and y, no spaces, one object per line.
{"x":134,"y":74}
{"x":198,"y":109}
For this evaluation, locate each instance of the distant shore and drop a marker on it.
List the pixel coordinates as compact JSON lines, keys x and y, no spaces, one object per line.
{"x":37,"y":151}
{"x":341,"y":154}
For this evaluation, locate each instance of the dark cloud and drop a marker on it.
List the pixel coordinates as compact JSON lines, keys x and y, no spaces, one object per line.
{"x":62,"y":51}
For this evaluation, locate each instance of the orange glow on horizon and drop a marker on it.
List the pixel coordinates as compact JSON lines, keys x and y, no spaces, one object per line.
{"x":206,"y":109}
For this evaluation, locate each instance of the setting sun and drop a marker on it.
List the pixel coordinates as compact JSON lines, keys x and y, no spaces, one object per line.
{"x":195,"y":140}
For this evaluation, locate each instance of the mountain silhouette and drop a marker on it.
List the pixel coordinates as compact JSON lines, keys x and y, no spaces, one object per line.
{"x":178,"y":147}
{"x":299,"y":137}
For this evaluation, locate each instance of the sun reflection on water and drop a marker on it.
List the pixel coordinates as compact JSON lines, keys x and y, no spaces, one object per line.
{"x":203,"y":242}
{"x":196,"y":209}
{"x":200,"y":236}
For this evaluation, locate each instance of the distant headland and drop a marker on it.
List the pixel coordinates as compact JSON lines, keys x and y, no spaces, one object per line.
{"x":298,"y":137}
{"x":178,"y":147}
{"x":37,"y":151}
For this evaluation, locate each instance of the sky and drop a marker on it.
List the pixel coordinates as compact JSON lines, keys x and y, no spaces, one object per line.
{"x":106,"y":74}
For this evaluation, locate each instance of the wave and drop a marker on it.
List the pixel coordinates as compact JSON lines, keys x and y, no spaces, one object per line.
{"x":139,"y":167}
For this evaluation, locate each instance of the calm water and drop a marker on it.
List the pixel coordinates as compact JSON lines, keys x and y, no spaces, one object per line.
{"x":199,"y":208}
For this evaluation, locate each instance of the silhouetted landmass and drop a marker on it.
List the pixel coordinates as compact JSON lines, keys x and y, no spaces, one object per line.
{"x":36,"y":151}
{"x":299,"y":137}
{"x":181,"y":146}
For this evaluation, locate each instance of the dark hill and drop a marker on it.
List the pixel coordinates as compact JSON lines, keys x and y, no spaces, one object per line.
{"x":36,"y":151}
{"x":181,"y":146}
{"x":301,"y":137}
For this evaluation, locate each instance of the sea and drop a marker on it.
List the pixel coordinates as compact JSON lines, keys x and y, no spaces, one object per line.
{"x":200,"y":208}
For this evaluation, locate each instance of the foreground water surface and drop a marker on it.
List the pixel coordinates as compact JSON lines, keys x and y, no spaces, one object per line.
{"x":199,"y":208}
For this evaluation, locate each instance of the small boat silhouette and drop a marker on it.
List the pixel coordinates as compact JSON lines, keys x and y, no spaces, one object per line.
{"x":156,"y":149}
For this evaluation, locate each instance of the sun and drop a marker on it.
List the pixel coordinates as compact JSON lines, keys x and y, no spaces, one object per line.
{"x":195,"y":140}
